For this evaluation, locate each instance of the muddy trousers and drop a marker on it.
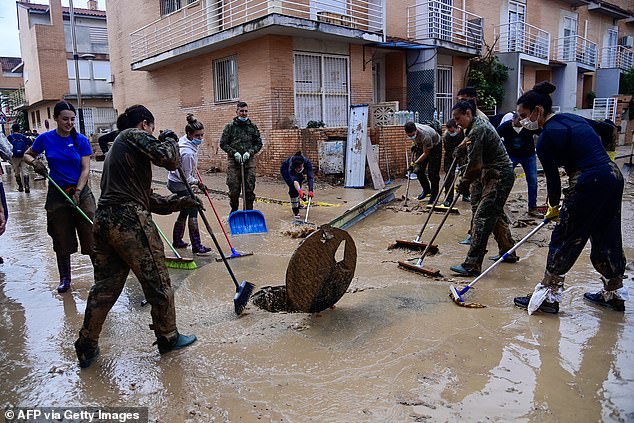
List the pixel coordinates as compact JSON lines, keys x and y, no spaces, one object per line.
{"x":591,"y":210}
{"x":234,"y":183}
{"x":432,"y":165}
{"x":489,"y":217}
{"x":127,"y":239}
{"x":21,"y":172}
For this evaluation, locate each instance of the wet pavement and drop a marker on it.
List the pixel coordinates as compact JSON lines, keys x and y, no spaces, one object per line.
{"x":395,"y":348}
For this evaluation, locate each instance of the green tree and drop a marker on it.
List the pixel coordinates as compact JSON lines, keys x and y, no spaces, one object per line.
{"x":487,"y":75}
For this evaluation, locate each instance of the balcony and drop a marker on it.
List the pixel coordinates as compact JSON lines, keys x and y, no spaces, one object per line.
{"x":436,"y":23}
{"x":520,"y":37}
{"x":617,"y":57}
{"x":576,"y":49}
{"x":194,"y":28}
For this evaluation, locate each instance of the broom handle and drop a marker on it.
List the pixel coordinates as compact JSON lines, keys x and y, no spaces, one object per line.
{"x":407,"y":189}
{"x":244,"y":190}
{"x":431,"y":211}
{"x":433,"y":238}
{"x":505,"y":255}
{"x":215,"y":212}
{"x":178,"y":256}
{"x":211,"y":232}
{"x":70,"y":200}
{"x":307,"y":210}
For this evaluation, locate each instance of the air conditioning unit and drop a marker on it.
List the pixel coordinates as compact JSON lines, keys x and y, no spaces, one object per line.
{"x":627,"y":41}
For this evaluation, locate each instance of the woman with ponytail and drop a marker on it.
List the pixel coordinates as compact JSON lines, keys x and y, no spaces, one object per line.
{"x":188,"y":145}
{"x":126,"y":237}
{"x":68,"y":155}
{"x":591,"y":208}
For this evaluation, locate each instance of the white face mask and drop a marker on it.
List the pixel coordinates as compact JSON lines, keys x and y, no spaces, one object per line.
{"x":529,"y":124}
{"x":453,"y":134}
{"x":413,"y":137}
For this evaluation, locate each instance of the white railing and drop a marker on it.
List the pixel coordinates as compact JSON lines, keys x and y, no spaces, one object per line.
{"x":604,"y":108}
{"x":617,"y":57}
{"x":195,"y":22}
{"x":575,"y":48}
{"x":520,"y":37}
{"x":436,"y":20}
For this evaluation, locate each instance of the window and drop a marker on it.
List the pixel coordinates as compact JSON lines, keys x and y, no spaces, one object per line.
{"x":517,"y":18}
{"x":48,"y":112}
{"x":226,"y":79}
{"x":33,"y":118}
{"x":101,"y":70}
{"x":444,"y":92}
{"x":37,"y":116}
{"x":321,"y":89}
{"x":170,"y":6}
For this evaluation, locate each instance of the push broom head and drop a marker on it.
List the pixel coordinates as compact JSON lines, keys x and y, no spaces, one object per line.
{"x":180,"y":263}
{"x":455,"y":296}
{"x":243,"y":293}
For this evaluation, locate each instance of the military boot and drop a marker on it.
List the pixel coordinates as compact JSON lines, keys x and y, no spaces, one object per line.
{"x":27,"y":187}
{"x":87,"y":351}
{"x":19,"y":182}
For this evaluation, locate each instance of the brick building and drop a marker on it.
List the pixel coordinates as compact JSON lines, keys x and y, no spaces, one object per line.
{"x":309,"y":60}
{"x":49,"y":69}
{"x":10,"y":84}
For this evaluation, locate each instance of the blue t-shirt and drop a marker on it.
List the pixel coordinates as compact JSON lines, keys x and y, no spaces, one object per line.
{"x":63,"y":155}
{"x":20,"y":144}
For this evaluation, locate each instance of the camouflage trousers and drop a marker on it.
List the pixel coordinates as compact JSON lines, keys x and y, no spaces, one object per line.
{"x":234,"y":183}
{"x":489,"y":217}
{"x":126,"y":239}
{"x":591,"y":210}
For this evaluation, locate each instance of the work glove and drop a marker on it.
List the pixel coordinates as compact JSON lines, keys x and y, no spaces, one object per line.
{"x":310,"y":194}
{"x":168,"y":134}
{"x":237,"y":157}
{"x":302,"y":195}
{"x":463,"y":187}
{"x":552,"y":213}
{"x":245,"y":157}
{"x":40,"y":168}
{"x":188,"y":203}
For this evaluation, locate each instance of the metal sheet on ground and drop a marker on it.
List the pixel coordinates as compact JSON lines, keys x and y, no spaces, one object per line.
{"x":356,"y":146}
{"x":315,"y":279}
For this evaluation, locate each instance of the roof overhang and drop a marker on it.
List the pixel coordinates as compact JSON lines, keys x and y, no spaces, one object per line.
{"x":608,"y":9}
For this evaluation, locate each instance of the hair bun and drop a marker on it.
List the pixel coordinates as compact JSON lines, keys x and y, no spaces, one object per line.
{"x":544,"y":87}
{"x":191,"y":118}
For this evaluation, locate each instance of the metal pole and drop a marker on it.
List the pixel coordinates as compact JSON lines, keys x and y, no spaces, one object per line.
{"x":80,"y":112}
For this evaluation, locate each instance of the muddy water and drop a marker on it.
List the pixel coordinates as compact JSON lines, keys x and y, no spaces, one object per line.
{"x":394,"y":349}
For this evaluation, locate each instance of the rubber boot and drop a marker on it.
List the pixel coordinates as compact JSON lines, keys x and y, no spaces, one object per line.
{"x":177,"y":234}
{"x":180,"y":341}
{"x":63,"y":265}
{"x":194,"y":236}
{"x":19,"y":181}
{"x":86,"y":350}
{"x":27,"y":187}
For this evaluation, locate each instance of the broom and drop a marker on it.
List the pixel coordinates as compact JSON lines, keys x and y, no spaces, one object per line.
{"x":234,"y":253}
{"x":244,"y":289}
{"x":456,"y":295}
{"x":177,"y":263}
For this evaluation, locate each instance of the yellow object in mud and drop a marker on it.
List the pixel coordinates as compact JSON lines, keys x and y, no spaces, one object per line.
{"x":612,"y":155}
{"x":284,"y":202}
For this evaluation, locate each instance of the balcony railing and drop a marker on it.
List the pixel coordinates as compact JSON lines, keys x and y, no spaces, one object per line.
{"x":520,"y":37}
{"x":196,"y":22}
{"x":617,"y":57}
{"x":575,"y":48}
{"x":435,"y":20}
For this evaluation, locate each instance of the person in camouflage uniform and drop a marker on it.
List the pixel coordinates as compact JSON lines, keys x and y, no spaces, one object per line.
{"x":489,"y":163}
{"x":452,"y":139}
{"x":126,"y":237}
{"x":241,"y":141}
{"x":426,"y":154}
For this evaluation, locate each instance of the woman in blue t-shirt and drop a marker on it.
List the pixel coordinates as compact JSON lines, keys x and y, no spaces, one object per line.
{"x":68,"y":155}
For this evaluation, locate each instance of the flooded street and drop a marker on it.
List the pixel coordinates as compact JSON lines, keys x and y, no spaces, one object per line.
{"x":394,"y":349}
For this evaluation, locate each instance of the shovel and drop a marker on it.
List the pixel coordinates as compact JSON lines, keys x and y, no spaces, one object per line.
{"x":246,"y":221}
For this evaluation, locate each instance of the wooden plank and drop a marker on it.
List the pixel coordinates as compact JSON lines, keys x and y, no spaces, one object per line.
{"x":375,"y":171}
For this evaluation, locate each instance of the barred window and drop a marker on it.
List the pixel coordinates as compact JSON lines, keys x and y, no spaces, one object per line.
{"x":170,"y":6}
{"x":226,"y":79}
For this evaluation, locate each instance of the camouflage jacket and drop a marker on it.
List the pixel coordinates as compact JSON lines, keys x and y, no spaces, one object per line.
{"x":127,"y":170}
{"x":486,"y":154}
{"x":241,"y":137}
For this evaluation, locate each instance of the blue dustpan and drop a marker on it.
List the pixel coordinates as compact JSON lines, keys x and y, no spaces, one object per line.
{"x":247,"y":222}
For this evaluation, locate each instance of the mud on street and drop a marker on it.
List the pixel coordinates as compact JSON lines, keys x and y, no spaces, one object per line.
{"x":395,"y":348}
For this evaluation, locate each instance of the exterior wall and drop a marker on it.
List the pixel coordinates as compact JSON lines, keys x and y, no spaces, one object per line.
{"x":396,"y":78}
{"x":9,"y":81}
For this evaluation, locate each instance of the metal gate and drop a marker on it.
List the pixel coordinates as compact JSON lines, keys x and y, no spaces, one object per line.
{"x":322,"y":90}
{"x":444,"y":92}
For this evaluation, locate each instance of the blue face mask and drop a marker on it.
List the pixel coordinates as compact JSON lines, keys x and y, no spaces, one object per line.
{"x":243,"y":119}
{"x":197,"y":141}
